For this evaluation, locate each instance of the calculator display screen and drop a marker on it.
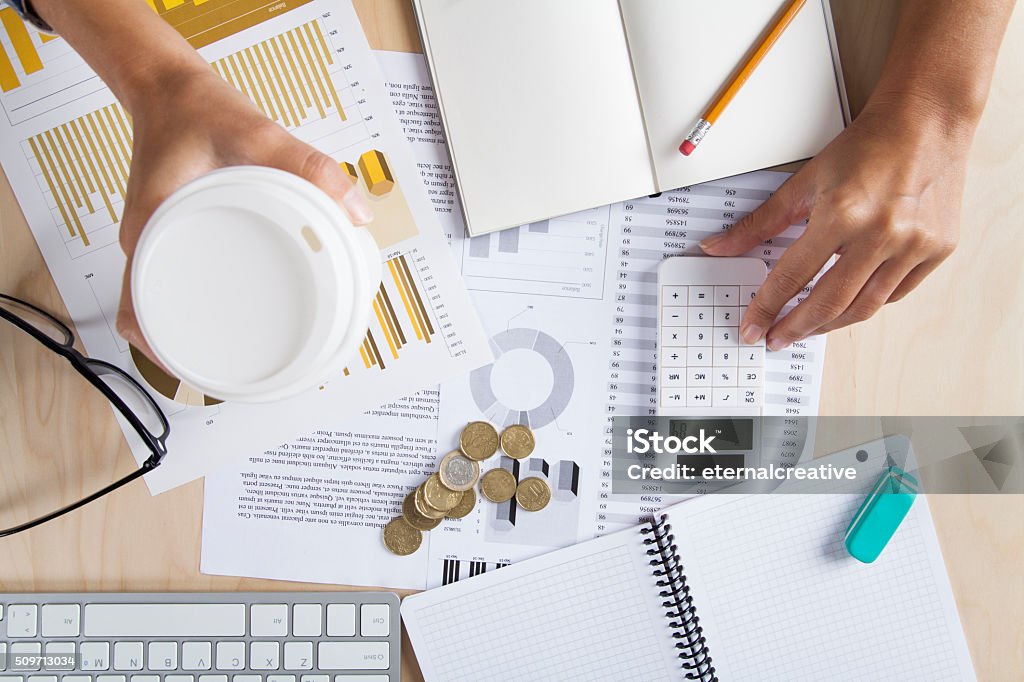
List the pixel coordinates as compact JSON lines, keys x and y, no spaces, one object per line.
{"x":731,"y":435}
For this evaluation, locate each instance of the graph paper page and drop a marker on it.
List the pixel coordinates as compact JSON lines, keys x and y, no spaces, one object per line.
{"x":588,"y":613}
{"x":780,"y":599}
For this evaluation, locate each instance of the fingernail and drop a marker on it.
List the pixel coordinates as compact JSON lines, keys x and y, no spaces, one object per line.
{"x":357,"y":207}
{"x":751,"y":333}
{"x":711,"y":241}
{"x":775,"y":344}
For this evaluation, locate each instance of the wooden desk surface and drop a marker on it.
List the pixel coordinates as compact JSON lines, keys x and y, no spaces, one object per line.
{"x":953,"y":347}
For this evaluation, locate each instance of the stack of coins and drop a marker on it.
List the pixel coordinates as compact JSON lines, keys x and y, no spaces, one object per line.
{"x":449,"y":493}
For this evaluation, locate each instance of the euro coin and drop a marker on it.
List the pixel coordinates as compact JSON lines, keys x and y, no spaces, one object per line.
{"x":401,"y":538}
{"x":533,"y":494}
{"x":498,"y":485}
{"x":463,"y":508}
{"x":517,"y":441}
{"x":438,"y":495}
{"x":478,"y":441}
{"x":458,"y":472}
{"x":414,"y":517}
{"x":423,"y":508}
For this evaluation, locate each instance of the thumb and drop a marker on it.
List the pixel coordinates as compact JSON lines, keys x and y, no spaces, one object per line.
{"x":324,"y":172}
{"x":786,"y":207}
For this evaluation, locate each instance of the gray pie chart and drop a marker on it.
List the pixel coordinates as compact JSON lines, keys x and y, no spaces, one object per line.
{"x":561,"y":385}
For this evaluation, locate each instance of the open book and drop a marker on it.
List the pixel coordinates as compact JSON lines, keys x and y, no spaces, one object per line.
{"x":726,"y":587}
{"x":555,"y":107}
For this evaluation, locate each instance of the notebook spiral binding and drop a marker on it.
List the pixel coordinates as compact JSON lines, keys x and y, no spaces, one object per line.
{"x":683,"y":619}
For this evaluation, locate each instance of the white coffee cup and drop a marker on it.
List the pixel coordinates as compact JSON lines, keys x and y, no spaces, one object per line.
{"x":251,"y":284}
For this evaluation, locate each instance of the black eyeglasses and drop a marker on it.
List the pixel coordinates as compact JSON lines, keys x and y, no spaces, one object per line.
{"x":127,"y":395}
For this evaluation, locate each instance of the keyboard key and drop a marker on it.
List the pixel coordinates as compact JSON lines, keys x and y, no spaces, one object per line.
{"x":727,"y":295}
{"x":360,"y":678}
{"x":269,"y":620}
{"x":196,"y":655}
{"x":61,"y":620}
{"x":306,"y":620}
{"x":95,"y":655}
{"x":265,"y":655}
{"x":21,"y":621}
{"x":280,"y":678}
{"x":701,"y":295}
{"x":699,"y":316}
{"x":747,"y":294}
{"x":139,"y":678}
{"x":698,"y":398}
{"x":176,"y":678}
{"x":33,"y":650}
{"x":341,"y":620}
{"x":375,"y":620}
{"x":751,"y":356}
{"x":64,"y":655}
{"x":726,"y":337}
{"x":700,"y":376}
{"x":164,"y":620}
{"x":698,"y":336}
{"x":110,"y":678}
{"x":42,"y":678}
{"x":87,"y":678}
{"x":11,"y":678}
{"x":163,"y":655}
{"x":211,"y":678}
{"x":128,"y":656}
{"x":247,"y":678}
{"x":3,"y":656}
{"x":671,"y":377}
{"x":673,"y":336}
{"x":727,"y":317}
{"x":698,"y":357}
{"x":315,"y":678}
{"x":673,"y":316}
{"x":354,"y":655}
{"x":723,"y":377}
{"x":298,"y":655}
{"x":724,"y":397}
{"x":750,"y":376}
{"x":230,"y":656}
{"x":751,"y":396}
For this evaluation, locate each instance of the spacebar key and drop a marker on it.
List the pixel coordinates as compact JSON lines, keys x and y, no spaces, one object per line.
{"x":164,"y":620}
{"x":354,"y":656}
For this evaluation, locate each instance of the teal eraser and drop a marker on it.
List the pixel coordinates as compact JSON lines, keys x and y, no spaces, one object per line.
{"x":880,"y":514}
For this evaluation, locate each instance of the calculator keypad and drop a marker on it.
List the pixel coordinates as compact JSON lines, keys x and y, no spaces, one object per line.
{"x":703,"y":362}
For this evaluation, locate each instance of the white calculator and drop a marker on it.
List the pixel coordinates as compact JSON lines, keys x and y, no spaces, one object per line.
{"x":703,"y":366}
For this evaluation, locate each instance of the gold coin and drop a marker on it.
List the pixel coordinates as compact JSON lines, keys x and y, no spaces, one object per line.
{"x":413,"y":516}
{"x":463,"y":508}
{"x":498,"y":485}
{"x":517,"y":441}
{"x":438,"y":495}
{"x":458,"y":472}
{"x":478,"y":441}
{"x":423,"y":507}
{"x":533,"y":494}
{"x":401,"y":538}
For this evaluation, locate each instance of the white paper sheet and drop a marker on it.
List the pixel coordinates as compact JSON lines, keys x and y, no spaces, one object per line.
{"x":64,"y":146}
{"x":569,"y":304}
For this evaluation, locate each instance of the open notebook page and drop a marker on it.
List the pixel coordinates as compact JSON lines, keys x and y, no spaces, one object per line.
{"x":590,"y":612}
{"x":684,"y":51}
{"x":780,"y":599}
{"x":539,"y":96}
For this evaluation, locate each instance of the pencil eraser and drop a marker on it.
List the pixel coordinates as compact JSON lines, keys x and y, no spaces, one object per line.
{"x":687,"y":147}
{"x":880,"y":515}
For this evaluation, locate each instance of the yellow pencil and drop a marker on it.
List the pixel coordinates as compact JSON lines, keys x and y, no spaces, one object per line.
{"x":704,"y":123}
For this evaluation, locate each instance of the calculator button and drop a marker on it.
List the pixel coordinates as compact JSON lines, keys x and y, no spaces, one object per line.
{"x":673,"y":356}
{"x":751,"y":356}
{"x":673,"y":377}
{"x":701,"y":295}
{"x":673,"y":336}
{"x":723,"y":376}
{"x":727,"y":317}
{"x":747,"y":294}
{"x":725,"y":357}
{"x":700,"y":316}
{"x":750,"y":376}
{"x":673,"y":316}
{"x":698,"y":398}
{"x":673,"y":295}
{"x":673,"y":399}
{"x":699,"y":376}
{"x":750,"y":396}
{"x":727,"y":295}
{"x":726,"y":336}
{"x":698,"y":357}
{"x":698,"y":336}
{"x":724,"y":397}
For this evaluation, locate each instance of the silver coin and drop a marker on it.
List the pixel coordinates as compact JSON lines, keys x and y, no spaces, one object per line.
{"x":458,"y":472}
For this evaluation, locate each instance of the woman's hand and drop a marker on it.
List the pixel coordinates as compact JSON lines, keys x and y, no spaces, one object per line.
{"x":196,"y":123}
{"x":884,"y":196}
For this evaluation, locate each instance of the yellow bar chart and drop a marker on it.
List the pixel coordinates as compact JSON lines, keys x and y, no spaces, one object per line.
{"x":24,"y":50}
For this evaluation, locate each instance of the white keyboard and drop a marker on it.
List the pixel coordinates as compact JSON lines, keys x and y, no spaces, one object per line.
{"x":703,"y":367}
{"x":200,"y":637}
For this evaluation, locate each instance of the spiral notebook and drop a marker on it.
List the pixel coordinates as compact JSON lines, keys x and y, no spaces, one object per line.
{"x":725,"y":587}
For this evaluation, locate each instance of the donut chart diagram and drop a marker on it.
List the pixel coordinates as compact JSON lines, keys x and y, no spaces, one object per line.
{"x":562,"y":375}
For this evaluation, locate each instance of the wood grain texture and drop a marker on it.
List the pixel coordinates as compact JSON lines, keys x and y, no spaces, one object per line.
{"x":952,"y":347}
